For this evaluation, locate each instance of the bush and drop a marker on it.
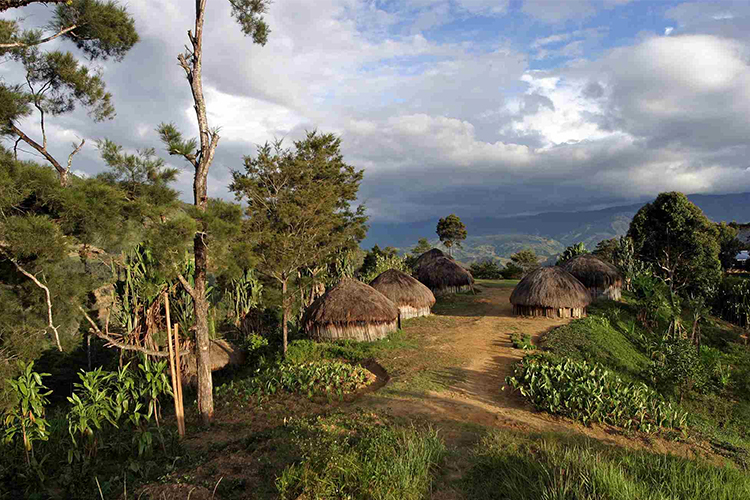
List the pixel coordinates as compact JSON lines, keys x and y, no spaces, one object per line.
{"x":520,"y":342}
{"x":315,"y":378}
{"x":512,"y":271}
{"x":732,"y":301}
{"x":675,"y":366}
{"x":487,"y":270}
{"x":589,"y":393}
{"x":360,"y":457}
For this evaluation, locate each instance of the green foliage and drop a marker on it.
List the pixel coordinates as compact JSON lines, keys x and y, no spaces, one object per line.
{"x":732,"y":301}
{"x":245,"y":294}
{"x":126,"y":397}
{"x":681,"y":243}
{"x":25,"y":420}
{"x":104,"y":30}
{"x":512,"y":271}
{"x":729,"y":245}
{"x":248,"y":14}
{"x":590,"y":393}
{"x":522,"y":342}
{"x":382,"y":264}
{"x":451,"y":231}
{"x":421,"y":247}
{"x":526,"y":259}
{"x":487,"y":270}
{"x":508,"y":466}
{"x":572,"y":251}
{"x":676,"y":366}
{"x":362,"y":458}
{"x":371,"y":259}
{"x":314,"y":378}
{"x":605,"y":250}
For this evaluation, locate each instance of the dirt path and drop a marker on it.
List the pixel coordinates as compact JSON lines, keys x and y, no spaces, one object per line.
{"x":480,"y":347}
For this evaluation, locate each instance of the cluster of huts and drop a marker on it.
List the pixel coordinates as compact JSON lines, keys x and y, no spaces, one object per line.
{"x":355,"y":310}
{"x":566,"y":291}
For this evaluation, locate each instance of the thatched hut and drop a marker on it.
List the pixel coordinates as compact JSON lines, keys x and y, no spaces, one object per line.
{"x":221,"y":354}
{"x":351,"y":310}
{"x":429,"y":257}
{"x":551,"y":292}
{"x":444,"y":276}
{"x":412,"y":298}
{"x":601,"y":278}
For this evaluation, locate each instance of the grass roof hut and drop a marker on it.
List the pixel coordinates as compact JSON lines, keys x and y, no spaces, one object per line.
{"x":429,"y":257}
{"x":601,"y":278}
{"x":412,"y":298}
{"x":551,"y":292}
{"x":444,"y":276}
{"x":351,"y":310}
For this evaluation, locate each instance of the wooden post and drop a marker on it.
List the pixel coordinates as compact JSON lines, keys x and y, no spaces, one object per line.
{"x":173,"y":356}
{"x":178,"y":375}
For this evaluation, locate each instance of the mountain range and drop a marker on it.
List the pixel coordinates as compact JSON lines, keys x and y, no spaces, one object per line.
{"x":546,"y":233}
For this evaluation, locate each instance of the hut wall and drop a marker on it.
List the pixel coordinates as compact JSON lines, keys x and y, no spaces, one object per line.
{"x":611,"y":292}
{"x":413,"y":312}
{"x":549,"y":312}
{"x":449,"y":290}
{"x":364,"y":332}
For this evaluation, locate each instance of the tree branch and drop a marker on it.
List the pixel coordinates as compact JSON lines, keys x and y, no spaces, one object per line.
{"x":73,"y":153}
{"x":47,"y":295}
{"x":31,"y":142}
{"x":43,"y":40}
{"x":121,"y":345}
{"x":13,"y":4}
{"x":189,"y":289}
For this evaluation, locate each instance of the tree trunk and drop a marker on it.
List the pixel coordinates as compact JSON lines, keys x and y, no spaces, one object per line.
{"x":202,"y":341}
{"x":285,"y":306}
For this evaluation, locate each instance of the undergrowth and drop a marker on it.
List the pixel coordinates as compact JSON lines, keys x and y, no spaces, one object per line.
{"x":553,"y":466}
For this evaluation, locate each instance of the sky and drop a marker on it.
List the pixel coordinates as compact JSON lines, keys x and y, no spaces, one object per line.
{"x":481,"y":108}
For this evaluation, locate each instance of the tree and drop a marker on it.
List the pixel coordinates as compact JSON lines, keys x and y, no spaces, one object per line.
{"x":56,"y":81}
{"x":674,"y":235}
{"x":298,"y":207}
{"x":570,"y":252}
{"x":605,"y":250}
{"x":421,"y":247}
{"x":372,"y":257}
{"x":729,"y":245}
{"x":487,"y":270}
{"x":10,"y":4}
{"x":525,"y":258}
{"x":451,"y":231}
{"x":199,"y":154}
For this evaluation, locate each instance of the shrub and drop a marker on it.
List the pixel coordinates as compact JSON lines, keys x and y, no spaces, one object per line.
{"x":361,"y":458}
{"x":487,"y":270}
{"x":314,"y":378}
{"x":589,"y":393}
{"x":524,"y":342}
{"x":512,"y":271}
{"x":732,"y":302}
{"x":675,"y":366}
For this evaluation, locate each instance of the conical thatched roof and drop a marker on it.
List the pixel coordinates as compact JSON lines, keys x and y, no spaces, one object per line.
{"x":593,"y":272}
{"x":550,"y":287}
{"x":444,"y":274}
{"x":351,"y":306}
{"x":429,"y":257}
{"x":403,"y":290}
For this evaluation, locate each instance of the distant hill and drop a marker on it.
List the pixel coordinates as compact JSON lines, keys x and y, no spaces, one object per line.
{"x":547,"y":233}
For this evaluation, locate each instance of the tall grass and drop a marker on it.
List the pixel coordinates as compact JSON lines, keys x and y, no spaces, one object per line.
{"x":548,"y":467}
{"x":361,"y":458}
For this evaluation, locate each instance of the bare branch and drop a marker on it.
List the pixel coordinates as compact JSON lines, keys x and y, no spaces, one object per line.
{"x":73,"y":153}
{"x":43,"y":40}
{"x":189,"y":289}
{"x":121,"y":345}
{"x":47,"y":295}
{"x":31,"y":142}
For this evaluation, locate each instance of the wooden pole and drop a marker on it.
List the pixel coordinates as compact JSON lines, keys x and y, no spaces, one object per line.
{"x":178,"y":375}
{"x":172,"y":359}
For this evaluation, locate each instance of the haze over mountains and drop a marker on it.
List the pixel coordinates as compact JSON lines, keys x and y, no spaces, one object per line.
{"x":547,"y":233}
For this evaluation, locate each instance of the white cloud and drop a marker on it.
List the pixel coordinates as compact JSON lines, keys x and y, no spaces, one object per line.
{"x":668,"y":30}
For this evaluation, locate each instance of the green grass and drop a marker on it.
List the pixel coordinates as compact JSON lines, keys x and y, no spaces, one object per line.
{"x":498,"y":283}
{"x":607,"y":336}
{"x":553,"y":466}
{"x":360,"y":456}
{"x":305,"y":351}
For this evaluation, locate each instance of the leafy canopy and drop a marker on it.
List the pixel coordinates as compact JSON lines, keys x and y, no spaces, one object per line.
{"x":451,"y":231}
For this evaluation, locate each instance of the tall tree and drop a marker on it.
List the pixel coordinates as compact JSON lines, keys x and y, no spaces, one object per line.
{"x":680,"y":242}
{"x":199,"y":154}
{"x":606,"y":249}
{"x":55,"y":81}
{"x":525,"y":258}
{"x":298,"y":208}
{"x":451,"y":231}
